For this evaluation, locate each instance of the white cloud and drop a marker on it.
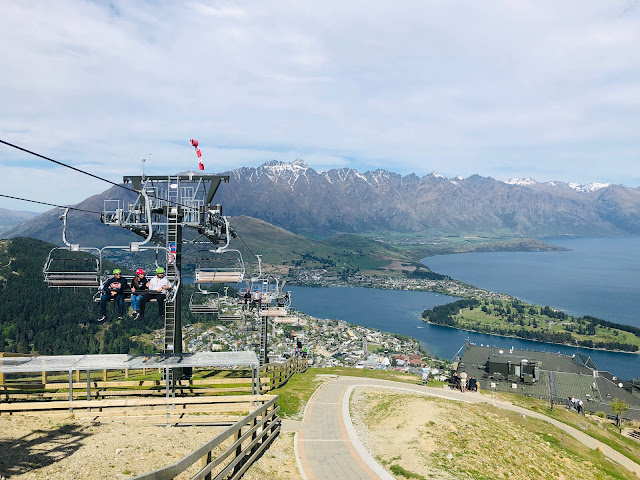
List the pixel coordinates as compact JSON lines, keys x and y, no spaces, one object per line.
{"x":506,"y":89}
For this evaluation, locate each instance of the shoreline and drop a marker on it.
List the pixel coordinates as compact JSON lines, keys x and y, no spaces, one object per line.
{"x":532,"y":339}
{"x":449,"y":287}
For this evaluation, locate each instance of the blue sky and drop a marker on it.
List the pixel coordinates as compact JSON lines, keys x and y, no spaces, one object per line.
{"x":541,"y":89}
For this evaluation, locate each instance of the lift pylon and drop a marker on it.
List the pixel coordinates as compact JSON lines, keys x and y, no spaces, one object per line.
{"x":164,"y":206}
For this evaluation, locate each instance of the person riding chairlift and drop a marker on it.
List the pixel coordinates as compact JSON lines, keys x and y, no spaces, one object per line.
{"x":158,"y":288}
{"x":113,"y":289}
{"x":138,"y":287}
{"x":256,"y":298}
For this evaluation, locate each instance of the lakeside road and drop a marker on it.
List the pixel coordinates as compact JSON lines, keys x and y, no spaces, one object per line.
{"x":327,"y":446}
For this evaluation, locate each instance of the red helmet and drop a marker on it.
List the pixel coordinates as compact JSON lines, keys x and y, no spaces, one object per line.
{"x":139,"y":271}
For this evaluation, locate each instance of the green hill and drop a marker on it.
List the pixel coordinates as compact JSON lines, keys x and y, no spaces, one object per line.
{"x":281,"y":250}
{"x":37,"y":319}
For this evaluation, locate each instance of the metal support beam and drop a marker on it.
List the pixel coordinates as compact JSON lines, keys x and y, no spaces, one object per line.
{"x":70,"y":390}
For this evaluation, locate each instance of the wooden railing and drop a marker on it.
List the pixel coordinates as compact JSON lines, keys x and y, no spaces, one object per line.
{"x":277,"y":374}
{"x":111,"y":384}
{"x":238,"y":447}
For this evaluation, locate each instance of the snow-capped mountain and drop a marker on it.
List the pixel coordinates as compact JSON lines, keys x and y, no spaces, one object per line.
{"x":591,"y":187}
{"x":521,"y":181}
{"x":297,"y":198}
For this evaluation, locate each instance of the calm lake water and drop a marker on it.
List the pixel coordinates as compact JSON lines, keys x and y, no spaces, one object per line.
{"x":597,"y":276}
{"x":399,"y":311}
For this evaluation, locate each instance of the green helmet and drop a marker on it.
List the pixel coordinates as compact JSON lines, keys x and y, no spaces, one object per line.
{"x":159,"y":270}
{"x":116,"y":271}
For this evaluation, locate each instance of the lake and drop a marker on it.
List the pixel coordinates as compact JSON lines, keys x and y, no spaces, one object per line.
{"x":399,"y":311}
{"x":597,"y":276}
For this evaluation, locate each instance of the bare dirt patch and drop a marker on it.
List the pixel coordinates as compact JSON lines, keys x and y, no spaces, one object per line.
{"x":69,"y":449}
{"x":437,"y":438}
{"x":34,"y":448}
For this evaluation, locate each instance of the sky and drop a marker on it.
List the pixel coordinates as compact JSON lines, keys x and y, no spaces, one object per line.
{"x":542,"y":89}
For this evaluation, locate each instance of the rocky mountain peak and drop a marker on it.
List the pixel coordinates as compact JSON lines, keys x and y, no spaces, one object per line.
{"x":591,"y":187}
{"x":524,"y":182}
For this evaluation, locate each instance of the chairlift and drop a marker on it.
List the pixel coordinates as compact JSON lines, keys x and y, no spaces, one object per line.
{"x":226,"y":266}
{"x":162,"y":259}
{"x":67,"y":268}
{"x":72,"y":266}
{"x":204,"y":302}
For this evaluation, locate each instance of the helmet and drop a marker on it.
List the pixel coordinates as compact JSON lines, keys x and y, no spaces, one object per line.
{"x":247,"y":289}
{"x":139,"y":271}
{"x":159,"y":270}
{"x":116,"y":271}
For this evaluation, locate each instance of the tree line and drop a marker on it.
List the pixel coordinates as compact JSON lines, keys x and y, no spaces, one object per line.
{"x":50,"y":321}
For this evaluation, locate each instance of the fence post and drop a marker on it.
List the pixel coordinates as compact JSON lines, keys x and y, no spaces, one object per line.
{"x":254,"y":436}
{"x":204,"y":461}
{"x":104,"y":375}
{"x":238,"y":452}
{"x":44,"y":378}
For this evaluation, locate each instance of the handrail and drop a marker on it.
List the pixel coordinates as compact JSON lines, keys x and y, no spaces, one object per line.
{"x":244,"y":456}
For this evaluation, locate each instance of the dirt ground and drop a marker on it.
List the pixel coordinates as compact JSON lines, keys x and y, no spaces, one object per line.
{"x":69,"y":449}
{"x":428,"y":437}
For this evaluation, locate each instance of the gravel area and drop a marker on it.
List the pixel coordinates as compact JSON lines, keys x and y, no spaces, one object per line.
{"x":70,"y":448}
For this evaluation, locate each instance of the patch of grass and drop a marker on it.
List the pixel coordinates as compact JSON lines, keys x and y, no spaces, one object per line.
{"x":398,"y":470}
{"x":606,"y":432}
{"x":295,"y":394}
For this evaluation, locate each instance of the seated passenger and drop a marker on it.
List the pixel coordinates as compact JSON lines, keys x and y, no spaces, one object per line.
{"x":138,"y":287}
{"x":113,"y":289}
{"x":157,"y":288}
{"x":256,"y":299}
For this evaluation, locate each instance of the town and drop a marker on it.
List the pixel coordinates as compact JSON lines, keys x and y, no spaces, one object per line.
{"x":320,"y":277}
{"x":324,"y":342}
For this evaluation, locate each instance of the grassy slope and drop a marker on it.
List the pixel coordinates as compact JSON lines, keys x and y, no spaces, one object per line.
{"x":280,"y":247}
{"x":473,"y":319}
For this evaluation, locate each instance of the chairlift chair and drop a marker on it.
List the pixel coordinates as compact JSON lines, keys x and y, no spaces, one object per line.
{"x":72,"y":267}
{"x":160,"y":261}
{"x":203,"y":301}
{"x":226,"y":267}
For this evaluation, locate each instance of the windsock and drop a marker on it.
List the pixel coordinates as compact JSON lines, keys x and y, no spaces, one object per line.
{"x":194,"y":144}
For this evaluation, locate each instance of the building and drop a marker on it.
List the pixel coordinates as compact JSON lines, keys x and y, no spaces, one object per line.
{"x":547,"y":375}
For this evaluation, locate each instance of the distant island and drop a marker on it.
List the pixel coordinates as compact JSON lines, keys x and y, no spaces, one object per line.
{"x":514,"y":318}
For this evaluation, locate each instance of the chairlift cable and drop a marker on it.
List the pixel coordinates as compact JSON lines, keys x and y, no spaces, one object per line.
{"x":49,"y":204}
{"x":86,"y":173}
{"x":248,"y":248}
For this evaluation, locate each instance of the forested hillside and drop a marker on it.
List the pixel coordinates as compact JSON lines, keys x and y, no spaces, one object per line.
{"x":49,"y":321}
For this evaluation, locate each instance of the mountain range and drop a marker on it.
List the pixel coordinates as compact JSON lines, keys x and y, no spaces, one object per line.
{"x":302,"y":200}
{"x":298,"y":198}
{"x":11,"y":218}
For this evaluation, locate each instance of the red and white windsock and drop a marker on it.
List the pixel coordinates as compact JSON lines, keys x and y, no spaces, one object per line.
{"x":194,"y":144}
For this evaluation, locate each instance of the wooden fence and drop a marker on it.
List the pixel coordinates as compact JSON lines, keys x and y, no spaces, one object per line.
{"x":112,"y":384}
{"x":229,"y":454}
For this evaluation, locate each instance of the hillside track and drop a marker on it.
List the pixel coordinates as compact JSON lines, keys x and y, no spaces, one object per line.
{"x":327,"y":446}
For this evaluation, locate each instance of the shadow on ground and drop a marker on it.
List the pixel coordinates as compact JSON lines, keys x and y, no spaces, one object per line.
{"x":40,"y":448}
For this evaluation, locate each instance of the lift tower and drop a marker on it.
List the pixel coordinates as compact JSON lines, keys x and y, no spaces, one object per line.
{"x":164,"y":206}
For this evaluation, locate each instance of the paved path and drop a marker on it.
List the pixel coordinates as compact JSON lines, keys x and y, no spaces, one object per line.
{"x":327,"y":447}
